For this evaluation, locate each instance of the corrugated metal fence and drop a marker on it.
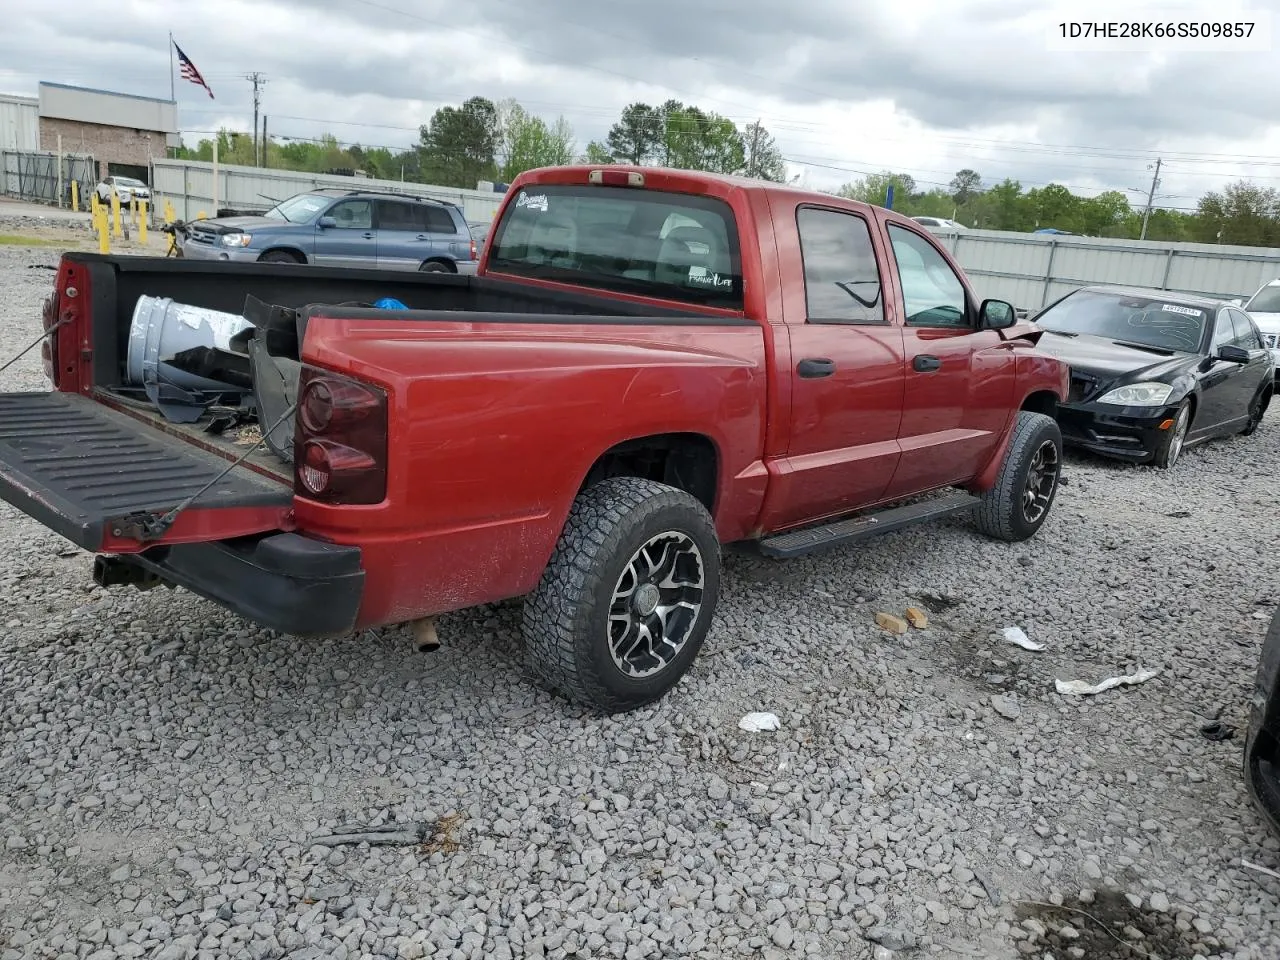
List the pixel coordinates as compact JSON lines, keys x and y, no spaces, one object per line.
{"x":1030,"y":270}
{"x":34,"y":176}
{"x":188,"y":185}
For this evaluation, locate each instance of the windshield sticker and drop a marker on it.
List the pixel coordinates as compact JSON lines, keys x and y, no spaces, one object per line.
{"x":1174,"y":308}
{"x":699,"y":277}
{"x":537,"y":201}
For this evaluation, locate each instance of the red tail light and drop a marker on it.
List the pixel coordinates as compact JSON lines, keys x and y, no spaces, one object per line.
{"x":474,"y":254}
{"x":66,"y":308}
{"x":340,"y":440}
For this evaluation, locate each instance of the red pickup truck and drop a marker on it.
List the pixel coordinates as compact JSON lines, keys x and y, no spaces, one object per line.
{"x":648,"y":365}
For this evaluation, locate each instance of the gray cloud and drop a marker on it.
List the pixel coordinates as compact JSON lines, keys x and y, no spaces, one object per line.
{"x":960,"y":68}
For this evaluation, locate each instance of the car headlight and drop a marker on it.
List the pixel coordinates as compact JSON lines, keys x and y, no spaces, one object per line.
{"x":236,"y":239}
{"x":1138,"y":395}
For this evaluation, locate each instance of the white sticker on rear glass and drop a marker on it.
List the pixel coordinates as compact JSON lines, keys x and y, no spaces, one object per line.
{"x":1174,"y":308}
{"x":536,"y":201}
{"x":701,"y":278}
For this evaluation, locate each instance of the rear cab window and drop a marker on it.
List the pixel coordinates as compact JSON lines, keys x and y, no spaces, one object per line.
{"x":670,"y":246}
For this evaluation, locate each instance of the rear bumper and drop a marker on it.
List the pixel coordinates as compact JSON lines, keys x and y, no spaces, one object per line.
{"x":283,"y":581}
{"x":466,"y":268}
{"x":1262,"y":744}
{"x":1106,"y":431}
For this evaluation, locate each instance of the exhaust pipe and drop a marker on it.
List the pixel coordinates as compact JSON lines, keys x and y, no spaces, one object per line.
{"x":118,"y":572}
{"x":425,"y":639}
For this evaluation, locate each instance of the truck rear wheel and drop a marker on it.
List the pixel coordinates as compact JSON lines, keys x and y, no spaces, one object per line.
{"x":627,"y":597}
{"x":1017,"y":506}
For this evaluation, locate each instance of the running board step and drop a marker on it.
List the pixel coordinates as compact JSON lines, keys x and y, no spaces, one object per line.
{"x":797,"y":543}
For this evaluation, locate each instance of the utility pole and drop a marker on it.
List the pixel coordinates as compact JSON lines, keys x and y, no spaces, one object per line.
{"x":1155,"y":182}
{"x":257,"y":80}
{"x":265,"y":141}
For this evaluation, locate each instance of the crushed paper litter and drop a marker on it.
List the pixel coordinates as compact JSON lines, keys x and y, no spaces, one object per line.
{"x":1081,"y":688}
{"x":1016,"y":635}
{"x":756,"y":722}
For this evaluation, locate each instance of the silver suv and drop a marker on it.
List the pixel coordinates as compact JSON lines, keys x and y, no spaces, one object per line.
{"x":343,"y":228}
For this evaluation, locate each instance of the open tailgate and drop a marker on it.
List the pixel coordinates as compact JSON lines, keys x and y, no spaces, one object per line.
{"x":97,"y":476}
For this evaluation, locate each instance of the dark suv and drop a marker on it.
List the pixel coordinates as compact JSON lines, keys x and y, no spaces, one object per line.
{"x":343,"y":228}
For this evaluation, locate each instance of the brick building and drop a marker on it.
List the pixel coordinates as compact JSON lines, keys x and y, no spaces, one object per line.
{"x":123,"y":132}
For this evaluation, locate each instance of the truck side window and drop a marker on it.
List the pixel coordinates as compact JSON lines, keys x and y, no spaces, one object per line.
{"x":841,"y":279}
{"x":932,"y":293}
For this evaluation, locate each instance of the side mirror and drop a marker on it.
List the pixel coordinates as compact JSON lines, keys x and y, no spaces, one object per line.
{"x":1233,"y":354}
{"x":324,"y":223}
{"x":996,"y":315}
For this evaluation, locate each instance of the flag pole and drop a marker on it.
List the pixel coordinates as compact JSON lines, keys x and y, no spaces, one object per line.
{"x":172,"y":95}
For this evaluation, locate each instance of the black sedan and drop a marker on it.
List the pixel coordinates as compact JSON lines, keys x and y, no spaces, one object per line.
{"x":1262,"y":744}
{"x":1153,"y":372}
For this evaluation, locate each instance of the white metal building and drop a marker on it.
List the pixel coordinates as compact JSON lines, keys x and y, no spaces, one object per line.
{"x":19,"y":122}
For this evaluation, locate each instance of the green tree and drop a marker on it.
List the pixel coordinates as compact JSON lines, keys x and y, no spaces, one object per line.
{"x":1243,"y":213}
{"x":1055,"y":206}
{"x":763,"y":157}
{"x":597,"y":154}
{"x":637,"y":136}
{"x":965,"y":185}
{"x":1104,"y":215}
{"x":459,"y":145}
{"x":874,"y":187}
{"x":526,"y":142}
{"x":696,"y":140}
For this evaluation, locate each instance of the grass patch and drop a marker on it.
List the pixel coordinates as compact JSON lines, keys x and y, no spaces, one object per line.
{"x":13,"y":240}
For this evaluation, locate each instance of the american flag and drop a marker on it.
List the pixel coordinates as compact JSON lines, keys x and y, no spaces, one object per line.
{"x":189,"y":71}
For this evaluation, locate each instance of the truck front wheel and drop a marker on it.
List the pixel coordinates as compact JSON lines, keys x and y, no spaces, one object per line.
{"x":627,"y":597}
{"x":1017,"y":506}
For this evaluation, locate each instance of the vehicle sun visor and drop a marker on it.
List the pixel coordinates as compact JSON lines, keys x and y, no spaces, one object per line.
{"x":275,"y":387}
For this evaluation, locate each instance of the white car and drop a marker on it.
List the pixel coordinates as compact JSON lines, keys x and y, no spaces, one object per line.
{"x":941,"y":224}
{"x":126,"y":187}
{"x":1264,"y":307}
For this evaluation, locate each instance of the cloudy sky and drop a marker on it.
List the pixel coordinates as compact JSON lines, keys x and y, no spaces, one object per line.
{"x":921,"y":86}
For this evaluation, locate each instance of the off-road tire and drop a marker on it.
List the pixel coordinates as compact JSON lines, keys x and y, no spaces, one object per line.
{"x":1000,"y":513}
{"x":566,"y":618}
{"x":279,"y":256}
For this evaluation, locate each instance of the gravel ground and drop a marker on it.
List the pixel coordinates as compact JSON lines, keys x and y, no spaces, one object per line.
{"x":166,"y":770}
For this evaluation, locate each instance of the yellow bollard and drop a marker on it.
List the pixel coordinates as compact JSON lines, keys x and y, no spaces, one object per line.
{"x":202,"y":215}
{"x":104,"y":235}
{"x":169,"y":214}
{"x":133,"y":210}
{"x":115,"y":213}
{"x":142,"y":222}
{"x":75,"y":196}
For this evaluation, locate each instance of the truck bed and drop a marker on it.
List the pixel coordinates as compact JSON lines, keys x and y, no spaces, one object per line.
{"x":231,"y":445}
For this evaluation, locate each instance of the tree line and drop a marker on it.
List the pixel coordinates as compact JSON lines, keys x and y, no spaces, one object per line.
{"x":1242,"y":213}
{"x":483,"y":140}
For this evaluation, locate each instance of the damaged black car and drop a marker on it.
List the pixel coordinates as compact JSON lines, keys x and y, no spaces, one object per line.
{"x":1155,"y":372}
